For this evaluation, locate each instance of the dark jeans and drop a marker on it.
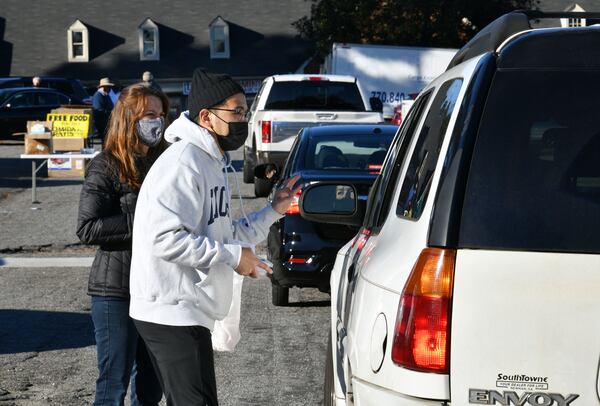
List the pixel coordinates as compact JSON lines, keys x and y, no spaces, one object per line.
{"x":184,"y":359}
{"x":122,"y":356}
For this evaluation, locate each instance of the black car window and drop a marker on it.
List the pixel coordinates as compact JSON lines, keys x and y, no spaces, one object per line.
{"x":290,"y":161}
{"x":419,"y":174}
{"x":348,"y":152}
{"x":62,"y":99}
{"x":4,"y":94}
{"x":23,"y":99}
{"x":534,"y":181}
{"x":383,"y":189}
{"x":315,"y":95}
{"x":48,"y":99}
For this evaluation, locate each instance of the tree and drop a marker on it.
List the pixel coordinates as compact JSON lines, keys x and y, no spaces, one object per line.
{"x":432,"y":23}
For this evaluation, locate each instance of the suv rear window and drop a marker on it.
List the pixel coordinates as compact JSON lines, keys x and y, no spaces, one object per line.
{"x":315,"y":95}
{"x":534,"y":182}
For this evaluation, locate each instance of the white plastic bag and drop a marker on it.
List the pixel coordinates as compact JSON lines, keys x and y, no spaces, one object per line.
{"x":226,"y":333}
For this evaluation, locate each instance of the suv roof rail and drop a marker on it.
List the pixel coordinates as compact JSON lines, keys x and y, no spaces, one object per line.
{"x":496,"y":32}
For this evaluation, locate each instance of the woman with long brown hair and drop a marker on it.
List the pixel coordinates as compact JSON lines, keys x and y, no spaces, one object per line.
{"x":106,"y":212}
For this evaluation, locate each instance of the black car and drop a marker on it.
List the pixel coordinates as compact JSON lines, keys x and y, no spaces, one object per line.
{"x":70,"y":87}
{"x":303,"y":252}
{"x":17,"y":106}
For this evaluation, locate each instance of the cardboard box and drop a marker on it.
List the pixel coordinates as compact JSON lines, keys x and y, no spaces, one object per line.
{"x":73,"y":109}
{"x":38,"y":143}
{"x":38,"y":139}
{"x":67,"y":144}
{"x":66,"y":168}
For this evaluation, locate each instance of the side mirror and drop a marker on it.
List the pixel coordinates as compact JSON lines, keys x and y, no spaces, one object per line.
{"x":376,"y":104}
{"x":334,"y":203}
{"x":268,"y":171}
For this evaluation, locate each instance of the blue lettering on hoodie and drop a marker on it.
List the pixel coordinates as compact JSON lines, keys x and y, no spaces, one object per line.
{"x":219,"y":206}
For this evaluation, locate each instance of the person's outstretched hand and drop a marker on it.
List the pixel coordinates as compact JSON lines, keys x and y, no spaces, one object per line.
{"x":248,"y":264}
{"x":284,"y":196}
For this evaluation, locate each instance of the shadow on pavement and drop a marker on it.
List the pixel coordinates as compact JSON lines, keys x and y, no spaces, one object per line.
{"x":40,"y":183}
{"x":316,"y":303}
{"x":38,"y":330}
{"x":16,"y":173}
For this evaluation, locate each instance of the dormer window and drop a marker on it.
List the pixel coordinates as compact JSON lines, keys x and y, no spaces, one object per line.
{"x":149,"y":44}
{"x":573,"y":22}
{"x":219,"y":39}
{"x":78,"y":42}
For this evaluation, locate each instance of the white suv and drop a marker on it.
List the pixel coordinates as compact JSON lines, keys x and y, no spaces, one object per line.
{"x":474,"y":278}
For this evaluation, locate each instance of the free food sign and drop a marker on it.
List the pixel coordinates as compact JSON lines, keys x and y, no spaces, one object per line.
{"x":69,"y":125}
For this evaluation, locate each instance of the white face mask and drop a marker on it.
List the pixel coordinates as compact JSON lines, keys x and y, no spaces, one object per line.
{"x":150,"y":131}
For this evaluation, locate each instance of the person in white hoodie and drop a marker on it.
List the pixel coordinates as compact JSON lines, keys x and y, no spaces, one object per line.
{"x":185,"y":244}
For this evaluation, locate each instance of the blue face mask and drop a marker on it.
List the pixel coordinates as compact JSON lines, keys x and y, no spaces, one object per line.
{"x":150,"y":131}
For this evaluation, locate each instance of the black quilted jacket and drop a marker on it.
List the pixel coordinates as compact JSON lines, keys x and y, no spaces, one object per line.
{"x":106,"y":211}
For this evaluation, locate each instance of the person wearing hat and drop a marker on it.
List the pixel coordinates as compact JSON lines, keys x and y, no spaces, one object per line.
{"x":148,"y":80}
{"x":102,"y":106}
{"x":187,"y":248}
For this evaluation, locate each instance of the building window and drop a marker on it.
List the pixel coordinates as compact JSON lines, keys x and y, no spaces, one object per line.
{"x":573,"y":22}
{"x":149,"y":44}
{"x":219,"y":39}
{"x":78,"y":42}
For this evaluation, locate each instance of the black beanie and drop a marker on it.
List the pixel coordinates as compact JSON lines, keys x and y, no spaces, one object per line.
{"x":209,"y":90}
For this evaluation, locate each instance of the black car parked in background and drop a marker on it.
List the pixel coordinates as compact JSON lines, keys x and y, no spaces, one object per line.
{"x":303,"y":252}
{"x":17,"y":106}
{"x":70,"y":87}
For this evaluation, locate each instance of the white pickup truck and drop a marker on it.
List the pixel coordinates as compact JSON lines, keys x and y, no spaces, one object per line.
{"x":287,"y":103}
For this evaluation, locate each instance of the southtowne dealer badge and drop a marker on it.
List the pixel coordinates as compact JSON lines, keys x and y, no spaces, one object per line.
{"x":522,"y":390}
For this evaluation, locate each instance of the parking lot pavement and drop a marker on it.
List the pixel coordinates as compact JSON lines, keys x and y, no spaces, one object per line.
{"x":47,"y":352}
{"x":49,"y":225}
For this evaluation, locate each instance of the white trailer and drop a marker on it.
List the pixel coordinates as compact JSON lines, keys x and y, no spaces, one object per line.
{"x":391,"y":73}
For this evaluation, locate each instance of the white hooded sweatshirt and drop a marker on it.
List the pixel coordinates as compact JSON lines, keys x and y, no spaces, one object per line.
{"x":185,"y":245}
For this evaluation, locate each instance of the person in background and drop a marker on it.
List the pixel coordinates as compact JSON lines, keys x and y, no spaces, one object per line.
{"x":106,"y":213}
{"x":187,"y":247}
{"x":148,"y":79}
{"x":36,"y":81}
{"x":115,"y":91}
{"x":102,"y":106}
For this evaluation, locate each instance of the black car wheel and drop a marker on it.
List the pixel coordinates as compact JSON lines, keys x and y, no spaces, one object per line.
{"x":328,"y":387}
{"x":248,"y":169}
{"x":262,"y":187}
{"x":280,"y":294}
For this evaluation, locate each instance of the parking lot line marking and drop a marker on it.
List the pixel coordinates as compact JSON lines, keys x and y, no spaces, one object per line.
{"x":45,"y":262}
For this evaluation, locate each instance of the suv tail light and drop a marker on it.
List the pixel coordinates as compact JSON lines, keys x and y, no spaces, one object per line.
{"x":422,"y":332}
{"x":266,"y":131}
{"x":295,"y":206}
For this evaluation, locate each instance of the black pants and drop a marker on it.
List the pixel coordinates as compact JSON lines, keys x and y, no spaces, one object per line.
{"x":183,"y":357}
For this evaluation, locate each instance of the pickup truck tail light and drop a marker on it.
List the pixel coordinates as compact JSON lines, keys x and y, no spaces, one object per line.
{"x":266,"y":131}
{"x":295,"y":206}
{"x":422,"y":331}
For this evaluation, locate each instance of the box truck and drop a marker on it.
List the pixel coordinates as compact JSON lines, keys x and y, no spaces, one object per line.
{"x":391,"y":73}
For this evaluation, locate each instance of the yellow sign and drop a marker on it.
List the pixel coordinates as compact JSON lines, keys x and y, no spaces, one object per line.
{"x":66,"y":125}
